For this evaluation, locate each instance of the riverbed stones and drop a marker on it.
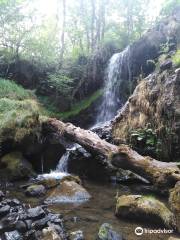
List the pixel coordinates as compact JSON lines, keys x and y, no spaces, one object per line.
{"x":106,"y":232}
{"x":20,"y":222}
{"x":35,"y":190}
{"x":17,"y":166}
{"x":140,"y":207}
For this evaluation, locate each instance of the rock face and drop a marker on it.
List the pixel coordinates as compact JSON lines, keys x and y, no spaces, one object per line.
{"x":141,"y":208}
{"x":154,"y":106}
{"x":17,"y":166}
{"x":174,"y":201}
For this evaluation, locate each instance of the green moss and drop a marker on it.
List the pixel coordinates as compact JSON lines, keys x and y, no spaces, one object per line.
{"x":19,"y":111}
{"x":49,"y":109}
{"x":18,"y":118}
{"x":9,"y":89}
{"x":16,"y":165}
{"x":176,"y":58}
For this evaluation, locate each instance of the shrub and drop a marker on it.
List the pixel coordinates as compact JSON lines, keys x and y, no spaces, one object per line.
{"x":176,"y":58}
{"x":61,"y":83}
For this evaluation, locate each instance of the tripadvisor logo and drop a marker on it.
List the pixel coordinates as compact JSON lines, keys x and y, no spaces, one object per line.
{"x":139,"y":231}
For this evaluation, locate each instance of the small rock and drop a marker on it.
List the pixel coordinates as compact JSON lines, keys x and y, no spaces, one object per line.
{"x":106,"y":232}
{"x":167,"y":64}
{"x":14,"y":235}
{"x":21,"y":226}
{"x":55,"y":218}
{"x":35,"y":213}
{"x":77,"y":235}
{"x":50,"y":233}
{"x":41,"y":223}
{"x":35,"y":190}
{"x":145,"y":207}
{"x":4,"y":210}
{"x":13,"y":202}
{"x":1,"y":195}
{"x":177,"y":71}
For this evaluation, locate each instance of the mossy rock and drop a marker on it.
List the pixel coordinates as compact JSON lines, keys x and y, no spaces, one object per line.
{"x":72,"y":178}
{"x":17,"y":166}
{"x":174,"y":201}
{"x":106,"y":232}
{"x":49,"y":182}
{"x":141,"y":208}
{"x":35,"y":190}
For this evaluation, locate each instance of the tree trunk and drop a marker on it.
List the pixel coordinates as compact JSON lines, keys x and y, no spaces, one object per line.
{"x":93,"y":15}
{"x":161,"y":174}
{"x":63,"y":33}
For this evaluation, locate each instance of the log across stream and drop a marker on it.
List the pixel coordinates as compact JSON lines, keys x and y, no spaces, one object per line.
{"x":161,"y":174}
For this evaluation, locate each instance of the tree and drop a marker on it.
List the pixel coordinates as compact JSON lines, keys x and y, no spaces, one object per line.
{"x":169,"y":6}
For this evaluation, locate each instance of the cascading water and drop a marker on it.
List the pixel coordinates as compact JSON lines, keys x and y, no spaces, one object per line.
{"x":63,"y":162}
{"x":59,"y":173}
{"x":118,"y":63}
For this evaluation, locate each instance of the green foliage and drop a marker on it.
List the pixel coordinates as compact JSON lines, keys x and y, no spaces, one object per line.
{"x":49,"y":109}
{"x":176,"y":58}
{"x":9,"y":89}
{"x":62,"y":84}
{"x":144,"y":139}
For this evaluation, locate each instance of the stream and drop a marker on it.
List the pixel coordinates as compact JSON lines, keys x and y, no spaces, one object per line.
{"x":89,"y":215}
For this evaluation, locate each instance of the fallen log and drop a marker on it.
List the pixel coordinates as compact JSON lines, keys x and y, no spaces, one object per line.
{"x":161,"y":174}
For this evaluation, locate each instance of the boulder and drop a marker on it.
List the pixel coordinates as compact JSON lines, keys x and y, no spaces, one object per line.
{"x":106,"y":232}
{"x":167,"y":64}
{"x":17,"y":166}
{"x":35,"y":190}
{"x":141,"y":208}
{"x":68,"y":191}
{"x":174,"y":201}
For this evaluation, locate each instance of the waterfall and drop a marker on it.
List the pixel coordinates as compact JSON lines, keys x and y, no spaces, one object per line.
{"x":63,"y":162}
{"x":118,"y":69}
